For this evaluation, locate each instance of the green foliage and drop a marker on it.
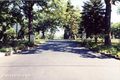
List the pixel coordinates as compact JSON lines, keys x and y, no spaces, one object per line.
{"x":118,"y":54}
{"x":112,"y":50}
{"x":41,"y":40}
{"x":20,"y":47}
{"x":118,"y":47}
{"x":10,"y":33}
{"x":38,"y":36}
{"x":3,"y":50}
{"x":9,"y":15}
{"x":9,"y":49}
{"x":115,"y":29}
{"x":26,"y":43}
{"x":71,"y":20}
{"x":59,"y":37}
{"x":93,"y":17}
{"x":48,"y":36}
{"x":30,"y":44}
{"x":6,"y":49}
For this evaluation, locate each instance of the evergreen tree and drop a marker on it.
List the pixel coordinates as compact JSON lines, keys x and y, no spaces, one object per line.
{"x":93,"y":17}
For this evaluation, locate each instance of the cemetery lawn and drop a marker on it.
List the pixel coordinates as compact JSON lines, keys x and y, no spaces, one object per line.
{"x":21,"y":44}
{"x":100,"y":47}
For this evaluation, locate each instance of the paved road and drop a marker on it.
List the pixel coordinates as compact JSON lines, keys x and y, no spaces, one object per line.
{"x":59,"y":60}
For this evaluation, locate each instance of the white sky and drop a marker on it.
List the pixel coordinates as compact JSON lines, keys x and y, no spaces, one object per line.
{"x":114,"y":16}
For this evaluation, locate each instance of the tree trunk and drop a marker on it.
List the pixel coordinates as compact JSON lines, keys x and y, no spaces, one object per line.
{"x":70,"y":35}
{"x":30,"y":19}
{"x":107,"y":23}
{"x":95,"y":40}
{"x":74,"y":37}
{"x":43,"y":34}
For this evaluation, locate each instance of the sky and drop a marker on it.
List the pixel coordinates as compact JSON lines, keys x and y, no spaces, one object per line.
{"x":114,"y":16}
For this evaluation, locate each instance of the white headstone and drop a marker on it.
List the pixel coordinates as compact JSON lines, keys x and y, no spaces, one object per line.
{"x":83,"y":36}
{"x":31,"y":38}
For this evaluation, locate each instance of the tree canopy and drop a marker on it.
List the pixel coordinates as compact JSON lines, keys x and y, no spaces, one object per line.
{"x":93,"y":17}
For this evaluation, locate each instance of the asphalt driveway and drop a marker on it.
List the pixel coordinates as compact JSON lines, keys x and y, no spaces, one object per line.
{"x":59,"y":60}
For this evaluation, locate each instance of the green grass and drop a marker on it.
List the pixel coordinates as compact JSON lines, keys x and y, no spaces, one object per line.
{"x":114,"y":49}
{"x":41,"y":40}
{"x":100,"y":40}
{"x":115,"y":40}
{"x":4,"y":47}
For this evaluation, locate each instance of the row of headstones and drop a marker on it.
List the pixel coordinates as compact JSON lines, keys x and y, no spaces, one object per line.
{"x":84,"y":36}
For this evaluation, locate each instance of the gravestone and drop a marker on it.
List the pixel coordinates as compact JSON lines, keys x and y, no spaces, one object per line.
{"x":83,"y":35}
{"x":32,"y":36}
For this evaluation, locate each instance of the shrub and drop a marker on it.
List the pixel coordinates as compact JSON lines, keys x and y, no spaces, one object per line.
{"x":88,"y":43}
{"x":118,"y":54}
{"x":95,"y":47}
{"x":6,"y":50}
{"x":91,"y":43}
{"x":112,"y":50}
{"x":37,"y":41}
{"x":20,"y":47}
{"x":12,"y":43}
{"x":84,"y":43}
{"x":117,"y":47}
{"x":30,"y":44}
{"x":9,"y":49}
{"x":3,"y":50}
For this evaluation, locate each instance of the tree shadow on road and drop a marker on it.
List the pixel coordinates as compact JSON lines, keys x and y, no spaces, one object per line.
{"x":69,"y":46}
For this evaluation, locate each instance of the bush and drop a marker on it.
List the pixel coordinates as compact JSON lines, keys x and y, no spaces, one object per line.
{"x":9,"y":49}
{"x":6,"y":50}
{"x":117,"y":47}
{"x":3,"y":50}
{"x":12,"y":43}
{"x":118,"y":54}
{"x":30,"y":44}
{"x":87,"y":43}
{"x":23,"y":42}
{"x":84,"y":43}
{"x":91,"y":43}
{"x":37,"y":41}
{"x":10,"y":33}
{"x":38,"y":36}
{"x":112,"y":50}
{"x":20,"y":47}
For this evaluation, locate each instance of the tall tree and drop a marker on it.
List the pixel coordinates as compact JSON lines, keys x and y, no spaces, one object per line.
{"x":3,"y":16}
{"x":27,"y":7}
{"x":8,"y":17}
{"x":71,"y":18}
{"x":115,"y":30}
{"x":108,"y":21}
{"x":93,"y":17}
{"x":50,"y":19}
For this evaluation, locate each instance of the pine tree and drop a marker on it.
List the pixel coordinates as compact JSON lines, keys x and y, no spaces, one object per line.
{"x":93,"y":17}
